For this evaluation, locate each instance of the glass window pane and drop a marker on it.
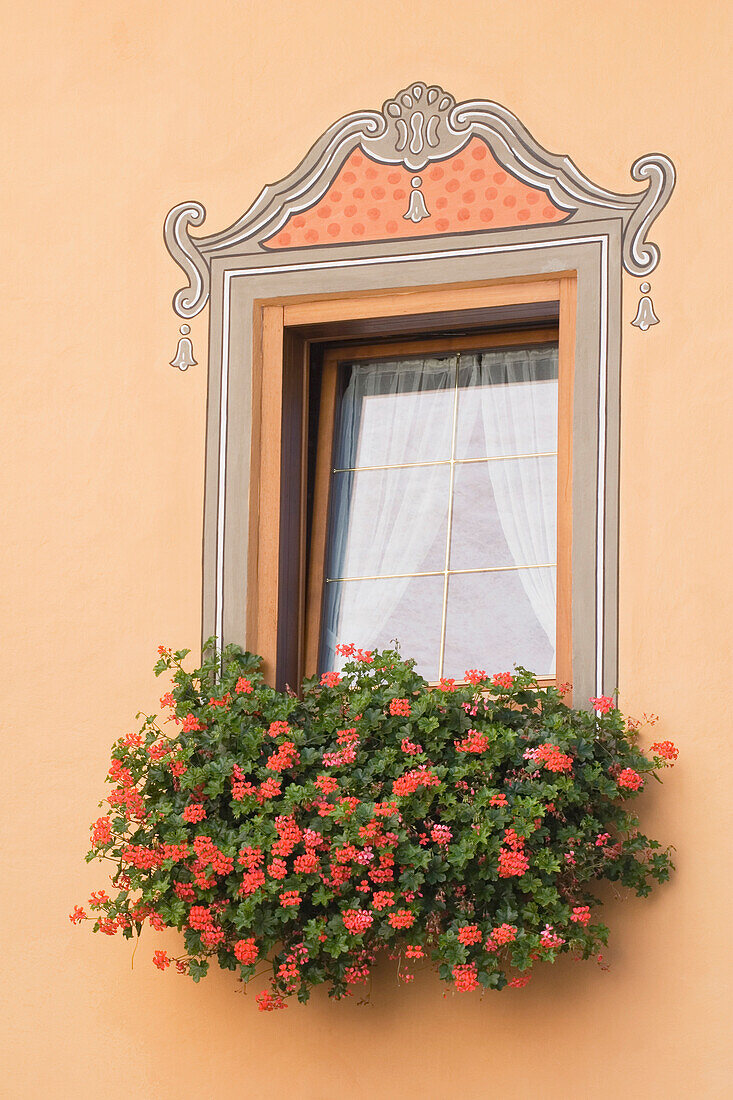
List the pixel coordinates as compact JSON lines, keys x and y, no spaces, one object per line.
{"x":497,"y":620}
{"x":507,"y":403}
{"x":396,"y":417}
{"x":388,"y":521}
{"x":504,"y":513}
{"x":373,"y":614}
{"x":396,"y":411}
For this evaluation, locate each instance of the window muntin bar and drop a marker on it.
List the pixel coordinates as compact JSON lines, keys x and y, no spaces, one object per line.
{"x":442,"y":462}
{"x":441,"y":572}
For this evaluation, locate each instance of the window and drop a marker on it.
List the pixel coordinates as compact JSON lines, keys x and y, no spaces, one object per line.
{"x":425,"y":217}
{"x":280,"y":557}
{"x":435,"y":506}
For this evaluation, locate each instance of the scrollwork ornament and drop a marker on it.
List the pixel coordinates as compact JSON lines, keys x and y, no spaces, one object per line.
{"x":417,"y":129}
{"x":641,"y":257}
{"x":190,"y":300}
{"x":420,"y":125}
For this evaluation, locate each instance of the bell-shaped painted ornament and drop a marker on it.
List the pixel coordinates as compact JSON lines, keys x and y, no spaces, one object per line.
{"x":417,"y":210}
{"x":183,"y":359}
{"x":645,"y":315}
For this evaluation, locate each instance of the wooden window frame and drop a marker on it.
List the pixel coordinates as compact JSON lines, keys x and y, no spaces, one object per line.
{"x":284,"y":331}
{"x":317,"y":548}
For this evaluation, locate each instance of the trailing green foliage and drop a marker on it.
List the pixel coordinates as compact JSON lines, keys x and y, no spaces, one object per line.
{"x":467,"y":824}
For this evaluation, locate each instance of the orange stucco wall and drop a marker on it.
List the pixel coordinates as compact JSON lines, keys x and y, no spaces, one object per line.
{"x":116,"y":112}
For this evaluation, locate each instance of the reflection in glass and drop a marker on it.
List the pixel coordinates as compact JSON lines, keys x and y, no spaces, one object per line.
{"x":375,"y":614}
{"x":389,"y":521}
{"x":497,"y":620}
{"x":468,"y":439}
{"x":507,"y":402}
{"x":504,"y":513}
{"x":396,"y":411}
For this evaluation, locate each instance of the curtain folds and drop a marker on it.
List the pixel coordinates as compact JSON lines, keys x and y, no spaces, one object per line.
{"x":515,"y":396}
{"x":387,"y":521}
{"x":399,"y":424}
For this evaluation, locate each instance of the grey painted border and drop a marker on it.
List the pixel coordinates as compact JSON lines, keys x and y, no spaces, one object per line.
{"x":419,"y":125}
{"x":596,"y":257}
{"x":603,"y":233}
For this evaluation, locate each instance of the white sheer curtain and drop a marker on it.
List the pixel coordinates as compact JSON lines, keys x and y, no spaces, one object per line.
{"x":386,"y":521}
{"x":515,"y":395}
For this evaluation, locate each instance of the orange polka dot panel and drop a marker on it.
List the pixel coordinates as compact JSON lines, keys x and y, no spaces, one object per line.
{"x":368,"y":201}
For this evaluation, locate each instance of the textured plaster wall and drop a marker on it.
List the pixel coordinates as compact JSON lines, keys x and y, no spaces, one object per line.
{"x":115,"y":112}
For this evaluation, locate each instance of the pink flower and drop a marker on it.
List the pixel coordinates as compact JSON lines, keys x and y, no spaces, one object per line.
{"x":101,"y":832}
{"x":403,"y":918}
{"x":357,"y":921}
{"x":469,"y":933}
{"x":268,"y":1002}
{"x":410,"y":781}
{"x":667,"y":750}
{"x":505,"y":933}
{"x":400,"y":706}
{"x":630,"y":779}
{"x":278,"y":729}
{"x":441,"y":834}
{"x":512,"y":860}
{"x":512,"y":863}
{"x":465,"y":977}
{"x":549,"y":938}
{"x":246,"y":951}
{"x":473,"y":742}
{"x":551,"y":756}
{"x":195,"y":811}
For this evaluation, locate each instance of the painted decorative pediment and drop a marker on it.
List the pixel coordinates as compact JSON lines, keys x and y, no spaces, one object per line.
{"x":423,"y":166}
{"x":369,"y":201}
